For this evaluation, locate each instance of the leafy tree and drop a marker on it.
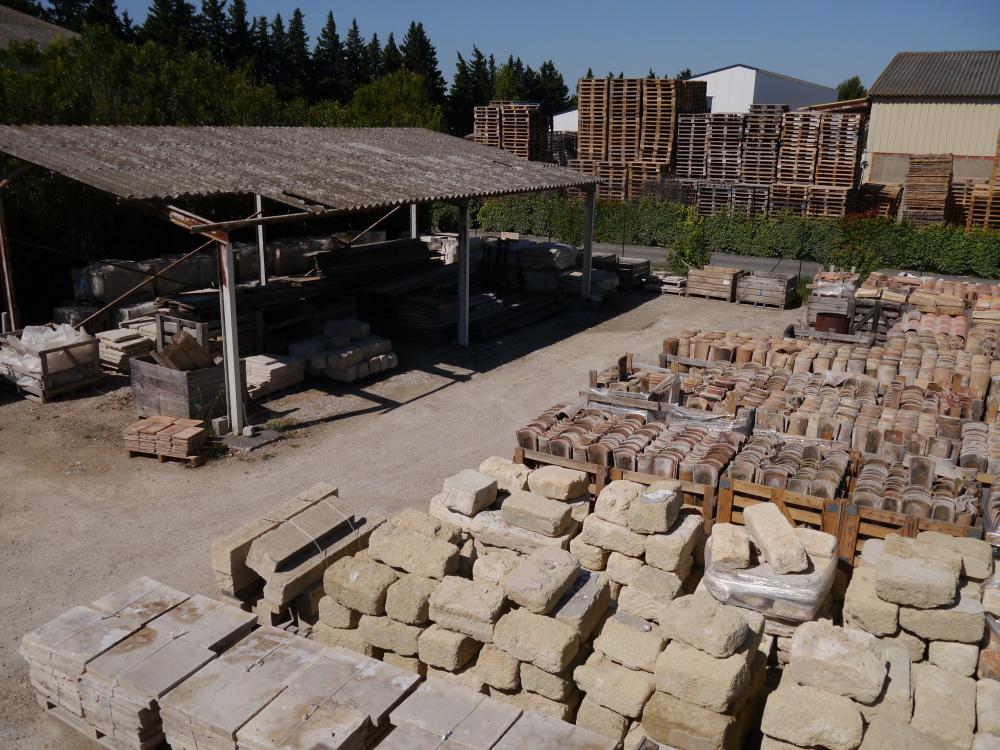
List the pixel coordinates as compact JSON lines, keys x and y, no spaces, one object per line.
{"x":392,"y":58}
{"x":852,"y":88}
{"x":171,"y":24}
{"x":420,"y":57}
{"x":685,"y":74}
{"x":327,"y":63}
{"x":400,"y":99}
{"x":67,"y":13}
{"x":374,"y":57}
{"x":297,"y":64}
{"x":239,"y":42}
{"x":356,"y":71}
{"x":213,"y":29}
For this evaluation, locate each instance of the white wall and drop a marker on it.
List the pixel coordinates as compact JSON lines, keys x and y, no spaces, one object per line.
{"x":730,"y":90}
{"x":566,"y":122}
{"x":772,"y":89}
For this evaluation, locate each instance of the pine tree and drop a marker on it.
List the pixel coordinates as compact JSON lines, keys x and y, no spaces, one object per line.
{"x":420,"y":57}
{"x":67,"y":13}
{"x":31,"y":7}
{"x":327,"y":63}
{"x":172,"y":24}
{"x":129,"y":31}
{"x":590,"y":73}
{"x":297,"y":56}
{"x":260,"y":43}
{"x":392,"y":59}
{"x":552,"y":88}
{"x":213,"y":29}
{"x":239,"y":46}
{"x":279,"y":46}
{"x":355,"y":60}
{"x":483,"y":76}
{"x":651,"y":74}
{"x":105,"y":13}
{"x":461,"y":98}
{"x":375,"y":69}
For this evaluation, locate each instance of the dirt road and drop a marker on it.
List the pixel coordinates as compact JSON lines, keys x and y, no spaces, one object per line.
{"x":77,"y":518}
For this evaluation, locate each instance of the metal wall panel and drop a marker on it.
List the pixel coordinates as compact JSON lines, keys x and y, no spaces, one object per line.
{"x":913,"y":127}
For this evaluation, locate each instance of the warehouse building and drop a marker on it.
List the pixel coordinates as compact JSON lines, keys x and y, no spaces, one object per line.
{"x":735,"y":87}
{"x":935,"y":103}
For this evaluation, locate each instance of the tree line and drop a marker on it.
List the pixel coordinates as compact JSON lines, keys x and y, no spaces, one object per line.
{"x":312,"y":76}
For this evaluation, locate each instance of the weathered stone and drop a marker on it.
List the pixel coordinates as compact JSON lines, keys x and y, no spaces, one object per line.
{"x":988,"y":706}
{"x":535,"y":512}
{"x":680,"y":724}
{"x":407,"y":600}
{"x":702,"y":679}
{"x":620,"y":568}
{"x":442,"y":512}
{"x":944,"y":705}
{"x":541,"y":578}
{"x":336,"y":615}
{"x":885,"y":733}
{"x":730,"y":547}
{"x":467,"y":556}
{"x":991,"y":598}
{"x":446,"y":649}
{"x":808,"y":717}
{"x":428,"y":525}
{"x":915,"y":647}
{"x":963,"y":622}
{"x":605,"y":722}
{"x":851,"y":663}
{"x":701,"y":621}
{"x":616,"y":687}
{"x":960,"y":658}
{"x":986,"y":742}
{"x":498,"y":669}
{"x":555,"y":687}
{"x":769,"y":743}
{"x":489,"y":528}
{"x":989,"y":658}
{"x":612,"y":537}
{"x":469,"y":492}
{"x":493,"y":564}
{"x":528,"y":702}
{"x":907,"y":574}
{"x":559,"y":483}
{"x":467,"y":607}
{"x":588,"y":555}
{"x":977,"y":555}
{"x":583,"y":605}
{"x":650,"y":593}
{"x":409,"y":550}
{"x":615,"y":500}
{"x":543,"y":641}
{"x":673,"y":550}
{"x":871,"y":552}
{"x":775,"y":537}
{"x":638,"y":739}
{"x":896,"y":700}
{"x":359,"y":584}
{"x":655,"y":510}
{"x":865,"y":609}
{"x":817,"y":543}
{"x":630,"y":641}
{"x":466,"y":677}
{"x":509,"y":476}
{"x":349,"y":638}
{"x":409,"y":663}
{"x":389,"y":634}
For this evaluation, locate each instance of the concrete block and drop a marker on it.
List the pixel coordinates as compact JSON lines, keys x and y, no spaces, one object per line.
{"x":679,"y":724}
{"x":696,"y":677}
{"x":349,"y":638}
{"x":495,"y":565}
{"x":428,"y":525}
{"x":912,"y":574}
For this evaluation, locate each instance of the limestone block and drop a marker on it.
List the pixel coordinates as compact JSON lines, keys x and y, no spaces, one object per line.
{"x":469,"y":492}
{"x":615,"y":500}
{"x":650,"y":593}
{"x":988,"y":706}
{"x":886,"y":733}
{"x":896,"y":700}
{"x":605,"y":722}
{"x":467,"y":557}
{"x":673,"y":550}
{"x":445,"y":514}
{"x":620,"y":568}
{"x":977,"y":555}
{"x":533,"y":702}
{"x":408,"y":599}
{"x":616,"y":687}
{"x":612,"y":537}
{"x":963,"y":622}
{"x":359,"y":584}
{"x":808,"y":717}
{"x":543,"y":641}
{"x":630,"y":641}
{"x":408,"y":663}
{"x":509,"y":476}
{"x":409,"y":550}
{"x":865,"y":609}
{"x":489,"y":528}
{"x":871,"y":552}
{"x":960,"y":658}
{"x":498,"y":668}
{"x":349,"y":638}
{"x":555,"y":687}
{"x":494,"y":564}
{"x":817,"y":543}
{"x":986,"y":742}
{"x":589,"y":556}
{"x":467,"y":677}
{"x":583,"y":605}
{"x":336,"y":615}
{"x":944,"y":705}
{"x":850,"y":663}
{"x":467,"y":607}
{"x":775,"y":537}
{"x":730,"y":547}
{"x":389,"y":634}
{"x":558,"y":482}
{"x":702,"y":679}
{"x":991,"y":598}
{"x":911,"y":574}
{"x":680,"y":724}
{"x":701,"y":621}
{"x":446,"y":649}
{"x":535,"y":512}
{"x":989,"y":658}
{"x":428,"y":525}
{"x":916,"y":647}
{"x":655,"y":510}
{"x":541,"y":578}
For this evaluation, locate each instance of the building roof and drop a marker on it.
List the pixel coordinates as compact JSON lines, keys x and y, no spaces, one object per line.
{"x":760,"y":70}
{"x":861,"y":105}
{"x":20,"y":27}
{"x":319,"y":170}
{"x":940,"y":74}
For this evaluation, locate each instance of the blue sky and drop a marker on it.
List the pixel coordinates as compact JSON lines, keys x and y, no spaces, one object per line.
{"x":824,"y":41}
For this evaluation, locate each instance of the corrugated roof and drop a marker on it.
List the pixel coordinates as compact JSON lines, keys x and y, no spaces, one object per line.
{"x":312,"y":169}
{"x":940,"y":74}
{"x":20,"y":27}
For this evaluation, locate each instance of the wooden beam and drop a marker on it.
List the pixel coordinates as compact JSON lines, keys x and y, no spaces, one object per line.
{"x":230,"y":226}
{"x":261,"y":248}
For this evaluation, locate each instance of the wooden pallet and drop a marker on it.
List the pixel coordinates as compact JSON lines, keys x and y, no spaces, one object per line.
{"x":879,"y":200}
{"x":690,"y":147}
{"x":926,"y":188}
{"x":789,"y":197}
{"x":192,"y":462}
{"x":615,"y":174}
{"x":52,"y":381}
{"x":598,"y":474}
{"x":665,"y":284}
{"x":714,"y":198}
{"x":764,"y":121}
{"x":766,"y":288}
{"x":699,"y":497}
{"x":713,"y":282}
{"x":750,"y":200}
{"x":827,"y":202}
{"x":801,"y":510}
{"x":592,"y":129}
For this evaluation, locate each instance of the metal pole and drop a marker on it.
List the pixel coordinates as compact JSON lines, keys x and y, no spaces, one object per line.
{"x":413,"y":221}
{"x":10,"y":299}
{"x":230,"y":336}
{"x":463,"y":274}
{"x":261,"y":252}
{"x":588,"y":239}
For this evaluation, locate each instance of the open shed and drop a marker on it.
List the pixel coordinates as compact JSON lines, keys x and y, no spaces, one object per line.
{"x":295,"y":174}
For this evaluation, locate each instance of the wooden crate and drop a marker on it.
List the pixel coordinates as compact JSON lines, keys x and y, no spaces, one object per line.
{"x":699,"y":497}
{"x":54,"y":382}
{"x":766,"y":288}
{"x":533,"y":459}
{"x":714,"y":282}
{"x":800,"y":510}
{"x":198,"y":394}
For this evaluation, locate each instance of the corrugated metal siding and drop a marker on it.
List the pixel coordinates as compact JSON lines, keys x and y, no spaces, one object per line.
{"x":962,"y":129}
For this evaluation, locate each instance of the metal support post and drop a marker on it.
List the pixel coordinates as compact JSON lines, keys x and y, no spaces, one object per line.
{"x":261,"y":252}
{"x":413,"y":221}
{"x":230,"y":336}
{"x":7,"y":273}
{"x":588,"y":239}
{"x":463,"y":274}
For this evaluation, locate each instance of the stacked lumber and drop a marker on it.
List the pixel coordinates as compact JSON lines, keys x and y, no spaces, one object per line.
{"x":659,"y":118}
{"x":750,"y":200}
{"x":174,"y":437}
{"x":267,"y":373}
{"x":926,"y":188}
{"x":839,"y":143}
{"x":879,"y":200}
{"x":800,"y":133}
{"x":486,"y":125}
{"x":793,"y":199}
{"x":692,"y":138}
{"x":759,"y":156}
{"x":714,"y":198}
{"x":714,"y":282}
{"x":345,"y":351}
{"x":592,"y":128}
{"x":116,"y":347}
{"x":625,"y":98}
{"x":723,"y":144}
{"x":827,"y":202}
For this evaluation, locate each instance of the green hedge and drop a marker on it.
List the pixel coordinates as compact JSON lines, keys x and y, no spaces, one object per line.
{"x":866,"y":242}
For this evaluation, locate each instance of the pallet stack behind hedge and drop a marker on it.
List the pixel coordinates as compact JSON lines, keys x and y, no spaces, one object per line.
{"x":518,"y":127}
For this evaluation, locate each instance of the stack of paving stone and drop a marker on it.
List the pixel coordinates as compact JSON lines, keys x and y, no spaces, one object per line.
{"x":117,"y":346}
{"x":346,"y":351}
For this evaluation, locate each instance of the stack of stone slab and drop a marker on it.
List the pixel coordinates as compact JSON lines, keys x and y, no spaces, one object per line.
{"x":275,"y":564}
{"x":103,"y":668}
{"x":346,"y":351}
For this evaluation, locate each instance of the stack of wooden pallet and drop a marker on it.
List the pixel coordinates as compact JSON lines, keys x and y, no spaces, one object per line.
{"x":725,"y":137}
{"x":118,"y":346}
{"x":799,"y":147}
{"x":615,"y":175}
{"x":518,"y":127}
{"x":750,"y":200}
{"x":789,"y":198}
{"x":879,"y":200}
{"x":659,"y":118}
{"x":166,"y":437}
{"x":624,"y":118}
{"x":984,"y":201}
{"x":644,"y":178}
{"x":692,"y":136}
{"x":759,"y":157}
{"x":714,"y":198}
{"x":837,"y":158}
{"x":267,"y":373}
{"x":825,"y":201}
{"x":925,"y":191}
{"x":486,"y":125}
{"x":592,"y":113}
{"x":714,"y":282}
{"x":960,"y":199}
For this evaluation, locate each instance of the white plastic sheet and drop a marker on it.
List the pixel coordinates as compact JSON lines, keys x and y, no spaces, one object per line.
{"x":20,"y":357}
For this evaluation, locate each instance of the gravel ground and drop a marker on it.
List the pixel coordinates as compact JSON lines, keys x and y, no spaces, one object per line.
{"x":79,"y":518}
